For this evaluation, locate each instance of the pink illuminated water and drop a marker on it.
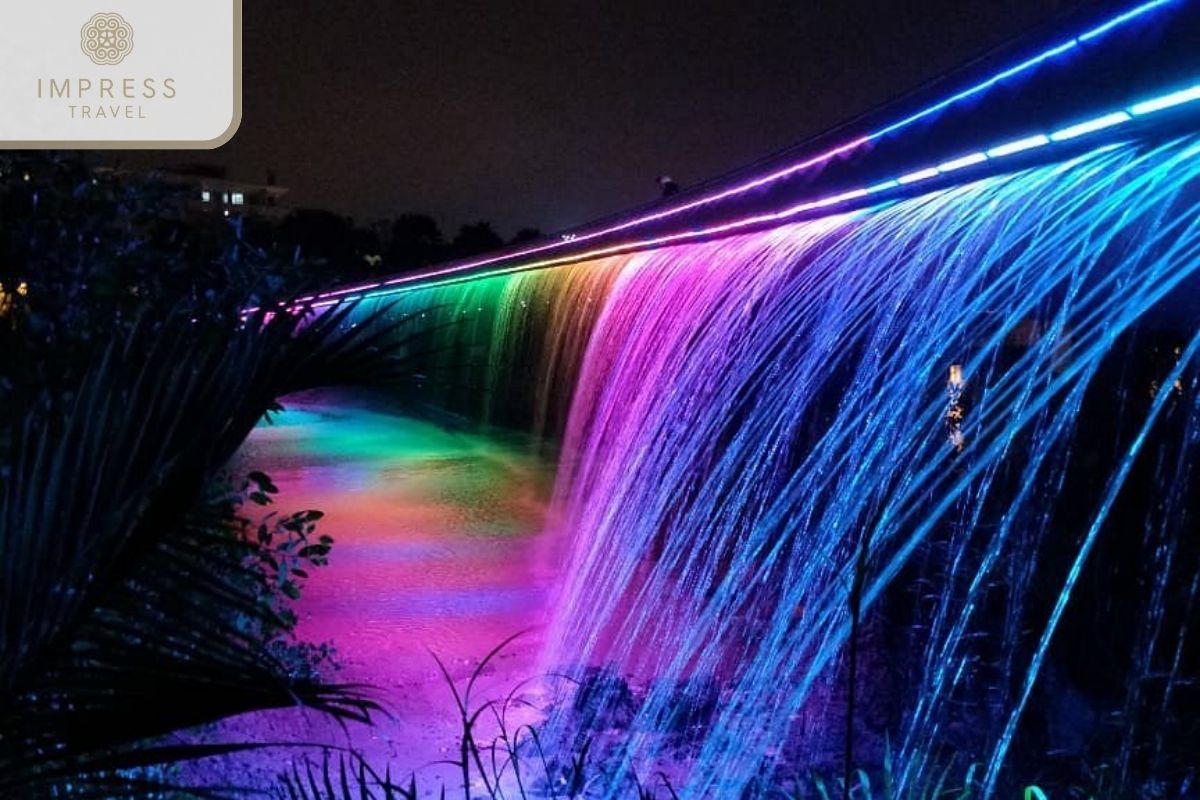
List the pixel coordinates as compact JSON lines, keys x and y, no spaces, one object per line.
{"x":438,"y":548}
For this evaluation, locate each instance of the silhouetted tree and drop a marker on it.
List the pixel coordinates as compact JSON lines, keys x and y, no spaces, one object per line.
{"x":526,"y":235}
{"x":416,"y":241}
{"x":320,"y":235}
{"x":368,"y":252}
{"x":328,"y":244}
{"x":474,"y":239}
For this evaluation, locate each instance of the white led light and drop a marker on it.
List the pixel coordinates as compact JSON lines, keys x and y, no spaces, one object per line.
{"x":1028,"y":143}
{"x":962,"y":161}
{"x":1167,"y":101}
{"x":882,"y":187}
{"x":919,"y":175}
{"x":1092,"y":125}
{"x":840,"y":198}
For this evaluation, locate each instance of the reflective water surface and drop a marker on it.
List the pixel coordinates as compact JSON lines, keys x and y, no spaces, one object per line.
{"x":437,"y":549}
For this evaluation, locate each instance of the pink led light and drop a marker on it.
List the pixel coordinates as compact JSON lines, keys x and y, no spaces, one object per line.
{"x":1152,"y":105}
{"x":659,"y":241}
{"x":670,"y":212}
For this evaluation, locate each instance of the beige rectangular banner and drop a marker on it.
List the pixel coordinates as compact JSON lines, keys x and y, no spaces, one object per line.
{"x":120,"y":74}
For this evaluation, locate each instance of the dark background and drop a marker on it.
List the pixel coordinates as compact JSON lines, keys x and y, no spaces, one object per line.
{"x":548,"y":114}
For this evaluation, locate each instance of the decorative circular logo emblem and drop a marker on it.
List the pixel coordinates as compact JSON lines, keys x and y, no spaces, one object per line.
{"x":107,"y":38}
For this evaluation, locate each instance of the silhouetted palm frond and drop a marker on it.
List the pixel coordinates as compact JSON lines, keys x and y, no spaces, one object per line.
{"x":350,"y":778}
{"x":129,"y":606}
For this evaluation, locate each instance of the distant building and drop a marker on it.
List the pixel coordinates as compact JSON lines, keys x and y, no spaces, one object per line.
{"x":214,"y":193}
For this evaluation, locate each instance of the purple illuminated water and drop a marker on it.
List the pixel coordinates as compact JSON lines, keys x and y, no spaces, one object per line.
{"x":438,"y":549}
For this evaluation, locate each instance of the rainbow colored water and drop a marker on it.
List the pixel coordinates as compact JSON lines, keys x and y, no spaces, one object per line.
{"x":982,"y":401}
{"x":438,"y":548}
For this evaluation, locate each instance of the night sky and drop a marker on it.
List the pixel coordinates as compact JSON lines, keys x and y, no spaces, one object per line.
{"x":548,"y":114}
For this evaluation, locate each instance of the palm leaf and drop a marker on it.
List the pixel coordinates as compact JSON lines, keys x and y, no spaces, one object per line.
{"x":128,"y":606}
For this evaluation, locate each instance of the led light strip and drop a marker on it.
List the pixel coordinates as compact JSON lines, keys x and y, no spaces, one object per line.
{"x":1074,"y":131}
{"x":1096,"y":32}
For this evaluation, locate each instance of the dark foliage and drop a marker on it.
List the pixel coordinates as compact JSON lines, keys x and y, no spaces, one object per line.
{"x":475,"y":239}
{"x":416,"y":241}
{"x":526,"y":235}
{"x":130,"y":605}
{"x":322,"y":238}
{"x":96,"y":253}
{"x":138,"y":595}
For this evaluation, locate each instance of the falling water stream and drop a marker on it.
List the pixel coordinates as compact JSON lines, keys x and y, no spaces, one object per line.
{"x":983,"y":401}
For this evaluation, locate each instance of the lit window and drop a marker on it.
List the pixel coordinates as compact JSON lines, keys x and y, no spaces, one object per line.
{"x":206,"y":196}
{"x":238,"y":198}
{"x":225,"y":198}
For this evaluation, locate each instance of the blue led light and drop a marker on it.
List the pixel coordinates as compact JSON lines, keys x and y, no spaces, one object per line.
{"x":882,"y":187}
{"x":1123,"y":18}
{"x":1020,"y":145}
{"x":1090,"y":126}
{"x":979,"y":87}
{"x":1166,"y":101}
